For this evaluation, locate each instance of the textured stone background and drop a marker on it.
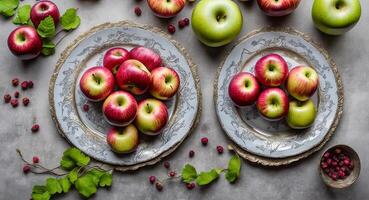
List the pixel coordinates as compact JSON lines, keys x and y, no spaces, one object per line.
{"x":300,"y":181}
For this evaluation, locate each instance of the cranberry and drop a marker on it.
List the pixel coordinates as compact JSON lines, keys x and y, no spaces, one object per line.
{"x":204,"y":141}
{"x":351,"y":166}
{"x":191,"y":154}
{"x":86,"y":107}
{"x":341,"y":174}
{"x":7,"y":98}
{"x":334,"y":163}
{"x":26,"y":169}
{"x":166,"y":164}
{"x":25,"y":101}
{"x":35,"y":128}
{"x":172,"y":174}
{"x":152,"y":179}
{"x":181,"y":23}
{"x":138,"y":11}
{"x":171,"y":29}
{"x":35,"y":159}
{"x":324,"y":165}
{"x":190,"y":186}
{"x":16,"y":94}
{"x":187,"y":21}
{"x":326,"y":155}
{"x":15,"y":82}
{"x":24,"y":85}
{"x":346,"y":162}
{"x":220,"y":149}
{"x":159,"y":186}
{"x":329,"y":161}
{"x":14,"y":103}
{"x":30,"y":84}
{"x":337,"y":151}
{"x":334,"y":176}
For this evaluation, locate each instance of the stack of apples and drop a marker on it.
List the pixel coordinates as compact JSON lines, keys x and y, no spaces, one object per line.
{"x":270,"y":87}
{"x":136,"y":73}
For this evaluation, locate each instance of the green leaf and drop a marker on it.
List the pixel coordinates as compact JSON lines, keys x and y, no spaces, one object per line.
{"x":48,"y":47}
{"x":72,"y":157}
{"x":234,"y":168}
{"x":8,"y":7}
{"x":189,"y":173}
{"x":53,"y":186}
{"x":73,"y":175}
{"x":65,"y":184}
{"x":46,"y":28}
{"x":86,"y":186}
{"x":205,"y":178}
{"x":23,"y":16}
{"x":70,"y":20}
{"x":106,"y":180}
{"x":39,"y":192}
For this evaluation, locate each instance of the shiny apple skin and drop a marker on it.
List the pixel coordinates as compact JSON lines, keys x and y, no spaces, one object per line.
{"x":123,"y":140}
{"x":302,"y":82}
{"x":165,"y":8}
{"x":114,"y":57}
{"x":147,"y":56}
{"x":165,"y":83}
{"x":244,"y":89}
{"x":97,"y":83}
{"x":120,"y":108}
{"x":43,"y":9}
{"x":301,"y":115}
{"x":271,"y":70}
{"x":25,"y":43}
{"x":152,"y":116}
{"x":273,"y":104}
{"x":134,"y":77}
{"x":278,"y":8}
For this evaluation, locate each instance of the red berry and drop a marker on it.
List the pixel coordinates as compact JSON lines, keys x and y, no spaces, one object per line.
{"x":86,"y":107}
{"x":190,"y":186}
{"x":191,"y":154}
{"x":172,"y":174}
{"x":181,"y":23}
{"x":159,"y":186}
{"x":346,"y":162}
{"x":138,"y":11}
{"x":26,"y":169}
{"x":30,"y":84}
{"x":35,"y":159}
{"x":334,"y":163}
{"x":334,"y":176}
{"x":220,"y":149}
{"x":204,"y":141}
{"x":324,"y":165}
{"x":329,"y":161}
{"x":24,"y":85}
{"x":16,"y":94}
{"x":337,"y":151}
{"x":152,"y":179}
{"x":171,"y":29}
{"x":326,"y":155}
{"x":166,"y":164}
{"x":7,"y":98}
{"x":341,"y":174}
{"x":14,"y":103}
{"x":35,"y":128}
{"x":25,"y":101}
{"x":15,"y":82}
{"x":187,"y":21}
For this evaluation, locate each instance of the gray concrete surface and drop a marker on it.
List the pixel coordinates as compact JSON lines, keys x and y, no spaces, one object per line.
{"x":297,"y":182}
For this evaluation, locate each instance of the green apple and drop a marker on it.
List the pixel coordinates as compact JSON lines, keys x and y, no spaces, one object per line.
{"x":216,"y":22}
{"x":301,"y":114}
{"x":335,"y":17}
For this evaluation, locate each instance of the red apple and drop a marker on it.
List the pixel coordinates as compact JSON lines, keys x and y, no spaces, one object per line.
{"x":134,"y":77}
{"x":123,"y":140}
{"x":271,"y":70}
{"x":97,"y":83}
{"x":147,"y":56}
{"x":243,"y":89}
{"x":43,"y":9}
{"x":25,"y":42}
{"x":165,"y":83}
{"x":120,"y":108}
{"x":114,"y":57}
{"x":302,"y":82}
{"x":166,"y":8}
{"x":152,"y":116}
{"x":278,"y":7}
{"x":273,"y":104}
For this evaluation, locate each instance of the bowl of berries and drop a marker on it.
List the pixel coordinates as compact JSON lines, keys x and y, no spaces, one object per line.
{"x":340,"y":166}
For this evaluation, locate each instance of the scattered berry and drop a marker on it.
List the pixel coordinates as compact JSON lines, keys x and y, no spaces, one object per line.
{"x":86,"y":107}
{"x":190,"y":186}
{"x":220,"y":149}
{"x":7,"y":98}
{"x":30,"y":84}
{"x":138,"y":11}
{"x":204,"y":141}
{"x":186,"y":21}
{"x":16,"y":94}
{"x":35,"y":159}
{"x":24,"y":85}
{"x":167,"y":164}
{"x":35,"y":128}
{"x":26,"y":169}
{"x":15,"y":82}
{"x":171,"y":29}
{"x":172,"y":174}
{"x":25,"y":101}
{"x":159,"y":186}
{"x":14,"y":103}
{"x":191,"y":154}
{"x":181,"y":23}
{"x":152,"y":179}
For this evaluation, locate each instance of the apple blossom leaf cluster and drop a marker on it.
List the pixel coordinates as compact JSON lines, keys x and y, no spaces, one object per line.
{"x":8,"y":7}
{"x":79,"y":174}
{"x":189,"y":173}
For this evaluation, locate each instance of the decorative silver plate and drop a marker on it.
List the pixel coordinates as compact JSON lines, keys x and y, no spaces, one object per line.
{"x":275,"y":140}
{"x":86,"y":130}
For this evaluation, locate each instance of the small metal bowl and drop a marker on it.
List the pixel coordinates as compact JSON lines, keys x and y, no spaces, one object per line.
{"x":351,"y":179}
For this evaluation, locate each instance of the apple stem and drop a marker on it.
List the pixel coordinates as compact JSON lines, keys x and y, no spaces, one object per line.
{"x":148,"y":108}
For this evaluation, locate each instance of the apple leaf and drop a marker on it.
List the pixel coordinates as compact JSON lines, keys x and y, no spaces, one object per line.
{"x":46,"y":28}
{"x":8,"y":7}
{"x":73,"y":175}
{"x":65,"y":184}
{"x":234,"y":168}
{"x":39,"y":192}
{"x":86,"y":186}
{"x":73,"y":157}
{"x":189,"y":173}
{"x":53,"y":186}
{"x":106,"y":179}
{"x":205,"y":178}
{"x":48,"y":47}
{"x":23,"y":16}
{"x":70,"y":20}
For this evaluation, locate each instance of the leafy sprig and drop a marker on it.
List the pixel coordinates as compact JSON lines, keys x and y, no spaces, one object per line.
{"x":8,"y":7}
